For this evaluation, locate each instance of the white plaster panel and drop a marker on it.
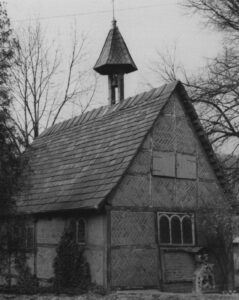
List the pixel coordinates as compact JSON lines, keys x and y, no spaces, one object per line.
{"x":236,"y":264}
{"x":235,"y":221}
{"x":95,"y":258}
{"x":164,"y":164}
{"x":30,"y":262}
{"x":133,"y":190}
{"x":186,"y":166}
{"x":179,"y":110}
{"x":49,"y":231}
{"x":13,"y":270}
{"x":205,"y":170}
{"x":147,"y":143}
{"x":141,"y":163}
{"x":45,"y":259}
{"x":210,"y":195}
{"x":95,"y":227}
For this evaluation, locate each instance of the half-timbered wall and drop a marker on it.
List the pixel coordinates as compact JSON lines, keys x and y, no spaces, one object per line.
{"x":134,"y":259}
{"x":170,"y":173}
{"x":48,"y":232}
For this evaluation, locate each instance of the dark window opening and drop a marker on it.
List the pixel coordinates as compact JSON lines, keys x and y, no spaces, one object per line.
{"x":187,"y":231}
{"x":164,"y":230}
{"x":176,"y":230}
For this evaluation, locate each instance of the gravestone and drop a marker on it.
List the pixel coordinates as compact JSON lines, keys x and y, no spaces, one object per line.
{"x":204,"y":280}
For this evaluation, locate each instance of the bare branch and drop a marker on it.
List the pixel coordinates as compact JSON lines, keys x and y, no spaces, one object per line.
{"x":43,"y":84}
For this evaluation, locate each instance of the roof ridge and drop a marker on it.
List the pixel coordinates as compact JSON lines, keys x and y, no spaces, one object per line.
{"x":79,"y":168}
{"x":107,"y":110}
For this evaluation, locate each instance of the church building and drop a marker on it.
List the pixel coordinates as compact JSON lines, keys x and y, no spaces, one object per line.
{"x":133,"y":176}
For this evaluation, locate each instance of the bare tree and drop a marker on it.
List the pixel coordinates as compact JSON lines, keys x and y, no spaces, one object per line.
{"x":224,"y":15}
{"x":166,"y":65}
{"x":215,"y":88}
{"x":45,"y":85}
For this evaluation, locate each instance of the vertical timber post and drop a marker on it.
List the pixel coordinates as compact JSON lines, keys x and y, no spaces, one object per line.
{"x":121,"y":87}
{"x":108,"y":213}
{"x":35,"y":247}
{"x":111,"y":90}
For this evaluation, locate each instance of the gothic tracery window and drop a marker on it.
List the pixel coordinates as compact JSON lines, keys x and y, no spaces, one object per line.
{"x":176,"y":228}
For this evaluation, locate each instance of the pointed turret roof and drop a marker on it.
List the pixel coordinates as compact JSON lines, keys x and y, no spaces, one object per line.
{"x":114,"y":57}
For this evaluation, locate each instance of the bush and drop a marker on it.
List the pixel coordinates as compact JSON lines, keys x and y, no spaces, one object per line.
{"x":70,"y":267}
{"x":26,"y":282}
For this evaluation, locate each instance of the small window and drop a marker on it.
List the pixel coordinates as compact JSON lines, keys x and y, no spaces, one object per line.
{"x":176,"y":228}
{"x":24,"y":236}
{"x":80,"y":231}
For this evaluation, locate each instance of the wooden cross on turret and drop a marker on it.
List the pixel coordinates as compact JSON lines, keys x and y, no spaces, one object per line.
{"x":113,"y":8}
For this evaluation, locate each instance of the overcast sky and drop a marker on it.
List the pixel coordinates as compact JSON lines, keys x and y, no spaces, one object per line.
{"x":146,"y":25}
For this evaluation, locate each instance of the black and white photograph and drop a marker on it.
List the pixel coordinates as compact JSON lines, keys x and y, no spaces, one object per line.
{"x":119,"y":149}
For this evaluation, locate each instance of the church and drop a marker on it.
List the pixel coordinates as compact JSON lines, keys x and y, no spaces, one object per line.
{"x":133,"y":176}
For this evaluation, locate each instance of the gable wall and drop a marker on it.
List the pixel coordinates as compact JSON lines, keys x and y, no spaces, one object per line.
{"x":140,"y":195}
{"x":173,"y":138}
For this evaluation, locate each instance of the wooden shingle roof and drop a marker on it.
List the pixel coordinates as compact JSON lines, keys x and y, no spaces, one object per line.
{"x":77,"y":163}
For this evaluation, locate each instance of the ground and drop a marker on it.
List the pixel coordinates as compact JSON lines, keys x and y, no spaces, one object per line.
{"x":127,"y":295}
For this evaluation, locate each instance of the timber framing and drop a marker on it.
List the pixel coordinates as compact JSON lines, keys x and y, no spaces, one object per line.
{"x":123,"y":168}
{"x":100,"y":145}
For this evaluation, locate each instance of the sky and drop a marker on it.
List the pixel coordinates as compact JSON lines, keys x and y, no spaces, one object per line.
{"x":146,"y":25}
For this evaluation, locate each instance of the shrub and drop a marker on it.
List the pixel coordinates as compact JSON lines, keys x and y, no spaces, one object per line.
{"x":70,"y":267}
{"x":26,"y":282}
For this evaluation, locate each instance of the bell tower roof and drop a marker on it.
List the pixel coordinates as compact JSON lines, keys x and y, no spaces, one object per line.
{"x":114,"y":57}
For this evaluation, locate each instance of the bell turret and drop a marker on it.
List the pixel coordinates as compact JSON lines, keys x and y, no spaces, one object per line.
{"x":115,"y":61}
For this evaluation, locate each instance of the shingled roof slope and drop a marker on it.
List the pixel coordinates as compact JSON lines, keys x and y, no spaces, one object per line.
{"x":76,"y":164}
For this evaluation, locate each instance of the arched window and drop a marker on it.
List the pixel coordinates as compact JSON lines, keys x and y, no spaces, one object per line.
{"x":187,"y":230}
{"x":164,"y":230}
{"x":176,"y":230}
{"x":80,"y":231}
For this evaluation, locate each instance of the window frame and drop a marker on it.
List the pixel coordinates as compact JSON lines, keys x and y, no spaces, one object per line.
{"x":29,"y":244}
{"x":181,"y":216}
{"x":83,"y":242}
{"x":27,"y":237}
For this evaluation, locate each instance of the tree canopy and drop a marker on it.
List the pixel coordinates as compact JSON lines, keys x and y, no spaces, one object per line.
{"x":9,"y":147}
